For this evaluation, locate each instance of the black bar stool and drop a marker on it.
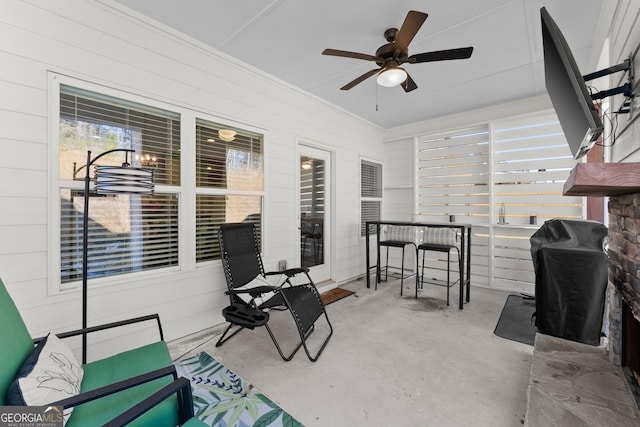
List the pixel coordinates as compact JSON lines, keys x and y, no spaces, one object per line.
{"x":399,"y":237}
{"x":439,"y":239}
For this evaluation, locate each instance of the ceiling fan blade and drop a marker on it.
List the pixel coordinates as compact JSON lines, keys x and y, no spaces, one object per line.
{"x":441,"y":55}
{"x":410,"y":27}
{"x":409,"y":85}
{"x":347,"y":54}
{"x":360,"y":79}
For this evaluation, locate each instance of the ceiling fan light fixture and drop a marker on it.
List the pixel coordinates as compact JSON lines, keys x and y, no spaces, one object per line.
{"x":391,"y":77}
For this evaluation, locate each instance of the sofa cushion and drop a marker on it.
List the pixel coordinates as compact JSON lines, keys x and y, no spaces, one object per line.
{"x":120,"y":367}
{"x":50,"y":373}
{"x":16,"y":342}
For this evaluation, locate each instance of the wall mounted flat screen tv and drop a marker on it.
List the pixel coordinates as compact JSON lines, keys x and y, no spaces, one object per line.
{"x":580,"y":121}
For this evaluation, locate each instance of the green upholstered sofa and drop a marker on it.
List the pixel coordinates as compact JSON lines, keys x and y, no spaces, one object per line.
{"x":109,"y":386}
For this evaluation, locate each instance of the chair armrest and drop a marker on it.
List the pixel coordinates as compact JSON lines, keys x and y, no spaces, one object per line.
{"x":111,"y":325}
{"x":254,"y":292}
{"x":289,"y":273}
{"x":116,"y":387}
{"x":181,"y":386}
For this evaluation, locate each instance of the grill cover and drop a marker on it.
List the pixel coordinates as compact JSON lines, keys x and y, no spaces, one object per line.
{"x":571,"y":279}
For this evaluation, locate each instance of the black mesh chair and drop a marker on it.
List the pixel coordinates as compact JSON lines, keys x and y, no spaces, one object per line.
{"x":252,"y":297}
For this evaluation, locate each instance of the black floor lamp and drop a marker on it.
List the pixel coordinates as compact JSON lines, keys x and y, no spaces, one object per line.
{"x":109,"y":180}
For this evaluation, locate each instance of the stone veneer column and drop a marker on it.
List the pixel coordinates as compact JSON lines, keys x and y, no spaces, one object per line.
{"x":624,"y":265}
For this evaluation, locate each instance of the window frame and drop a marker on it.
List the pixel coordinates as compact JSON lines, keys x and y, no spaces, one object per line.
{"x":199,"y":118}
{"x":56,"y":184}
{"x":186,"y":190}
{"x":379,"y":200}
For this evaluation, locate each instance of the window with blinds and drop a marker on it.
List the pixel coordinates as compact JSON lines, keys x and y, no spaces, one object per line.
{"x":229,"y":182}
{"x":127,"y":233}
{"x":370,"y":193}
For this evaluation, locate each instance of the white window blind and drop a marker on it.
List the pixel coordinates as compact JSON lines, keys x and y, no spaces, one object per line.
{"x":312,"y":189}
{"x":127,"y":233}
{"x":370,"y":193}
{"x":229,"y":180}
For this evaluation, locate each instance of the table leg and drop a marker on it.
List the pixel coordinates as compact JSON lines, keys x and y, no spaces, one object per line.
{"x":462,"y":270}
{"x":468,"y":279}
{"x":366,"y":245}
{"x":377,"y":254}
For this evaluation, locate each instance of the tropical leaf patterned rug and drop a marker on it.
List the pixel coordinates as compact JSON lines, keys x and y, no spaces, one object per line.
{"x":222,"y":398}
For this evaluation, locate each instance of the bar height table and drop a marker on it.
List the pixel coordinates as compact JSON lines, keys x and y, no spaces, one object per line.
{"x":465,"y":250}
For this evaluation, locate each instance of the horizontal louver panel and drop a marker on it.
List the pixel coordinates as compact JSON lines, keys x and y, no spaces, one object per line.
{"x":453,"y":175}
{"x":531,"y":163}
{"x":518,"y":166}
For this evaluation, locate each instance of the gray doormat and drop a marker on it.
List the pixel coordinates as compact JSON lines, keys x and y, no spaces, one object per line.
{"x":516,"y":321}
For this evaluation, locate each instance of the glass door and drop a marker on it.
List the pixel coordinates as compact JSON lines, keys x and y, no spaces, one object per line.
{"x":314,"y":166}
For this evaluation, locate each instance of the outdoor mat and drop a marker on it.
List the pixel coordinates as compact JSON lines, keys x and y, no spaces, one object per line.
{"x":516,"y":321}
{"x":334,"y":295}
{"x":222,"y":398}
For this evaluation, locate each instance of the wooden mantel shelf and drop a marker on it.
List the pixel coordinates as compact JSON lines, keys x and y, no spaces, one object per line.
{"x":603,"y":179}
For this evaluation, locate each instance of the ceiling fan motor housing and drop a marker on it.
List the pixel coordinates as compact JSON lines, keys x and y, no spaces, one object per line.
{"x":388,"y":52}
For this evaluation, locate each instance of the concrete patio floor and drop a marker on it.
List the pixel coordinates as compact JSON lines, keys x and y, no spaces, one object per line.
{"x":392,"y":361}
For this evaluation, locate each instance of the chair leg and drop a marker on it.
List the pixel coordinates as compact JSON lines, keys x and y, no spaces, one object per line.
{"x":222,"y":339}
{"x":402,"y":272}
{"x":417,"y":273}
{"x":422,"y":276}
{"x":448,"y":274}
{"x":386,"y":266}
{"x":303,"y":341}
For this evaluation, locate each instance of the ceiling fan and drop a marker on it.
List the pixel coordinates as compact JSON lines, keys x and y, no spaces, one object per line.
{"x":390,"y":56}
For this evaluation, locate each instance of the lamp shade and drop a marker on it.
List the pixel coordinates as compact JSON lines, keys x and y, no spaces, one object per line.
{"x":123,"y":180}
{"x":392,"y":76}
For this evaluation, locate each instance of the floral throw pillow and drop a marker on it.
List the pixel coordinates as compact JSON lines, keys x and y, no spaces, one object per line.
{"x":50,"y":373}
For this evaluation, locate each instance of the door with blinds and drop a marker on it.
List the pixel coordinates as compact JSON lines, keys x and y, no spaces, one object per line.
{"x":314,"y":168}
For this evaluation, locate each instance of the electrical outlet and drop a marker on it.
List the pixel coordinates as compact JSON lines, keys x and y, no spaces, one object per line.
{"x":282,"y":265}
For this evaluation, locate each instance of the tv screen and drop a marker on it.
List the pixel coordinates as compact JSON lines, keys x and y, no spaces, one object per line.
{"x":578,"y":116}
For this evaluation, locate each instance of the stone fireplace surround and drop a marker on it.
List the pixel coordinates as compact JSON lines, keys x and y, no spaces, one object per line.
{"x":624,"y":285}
{"x":581,"y":384}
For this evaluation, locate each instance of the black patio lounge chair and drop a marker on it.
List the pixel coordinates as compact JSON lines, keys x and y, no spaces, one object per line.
{"x":252,"y":296}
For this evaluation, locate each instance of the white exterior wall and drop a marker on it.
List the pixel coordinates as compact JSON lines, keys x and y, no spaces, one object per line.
{"x":94,"y":41}
{"x":624,"y":40}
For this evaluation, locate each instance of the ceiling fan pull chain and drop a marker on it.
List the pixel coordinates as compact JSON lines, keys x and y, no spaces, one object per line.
{"x":376,"y":97}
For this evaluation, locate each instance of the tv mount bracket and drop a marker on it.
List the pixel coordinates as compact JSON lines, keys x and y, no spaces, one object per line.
{"x":626,"y":89}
